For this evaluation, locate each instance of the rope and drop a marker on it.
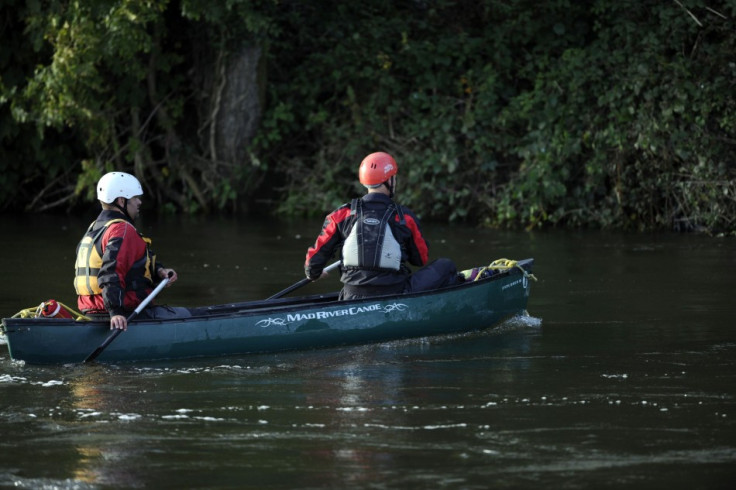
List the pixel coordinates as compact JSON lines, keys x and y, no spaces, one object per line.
{"x":31,"y":312}
{"x":35,"y":312}
{"x":500,"y":265}
{"x":79,"y":316}
{"x":506,"y":264}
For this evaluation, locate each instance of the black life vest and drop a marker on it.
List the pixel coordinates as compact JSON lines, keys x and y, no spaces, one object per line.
{"x":370,"y":243}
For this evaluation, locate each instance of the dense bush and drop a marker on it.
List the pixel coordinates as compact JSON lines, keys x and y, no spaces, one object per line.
{"x":515,"y":113}
{"x":614,"y":114}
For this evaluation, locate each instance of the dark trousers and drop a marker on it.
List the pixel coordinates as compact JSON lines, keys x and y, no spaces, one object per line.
{"x":163,"y":312}
{"x":437,"y":274}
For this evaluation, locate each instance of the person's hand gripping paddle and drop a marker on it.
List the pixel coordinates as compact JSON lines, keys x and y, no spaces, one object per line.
{"x":135,"y":313}
{"x":301,"y":283}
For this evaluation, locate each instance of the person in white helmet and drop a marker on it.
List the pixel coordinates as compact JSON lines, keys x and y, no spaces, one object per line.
{"x":115,"y":268}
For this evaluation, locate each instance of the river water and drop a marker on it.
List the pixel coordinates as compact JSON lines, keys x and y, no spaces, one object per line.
{"x":622,"y":375}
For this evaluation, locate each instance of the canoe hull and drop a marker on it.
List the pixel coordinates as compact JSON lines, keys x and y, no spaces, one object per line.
{"x":280,"y":325}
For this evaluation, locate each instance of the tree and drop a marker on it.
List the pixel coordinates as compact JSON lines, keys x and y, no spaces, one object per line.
{"x":122,"y":79}
{"x":501,"y":113}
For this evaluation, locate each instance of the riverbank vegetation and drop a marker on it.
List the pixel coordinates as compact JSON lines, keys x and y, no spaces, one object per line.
{"x":602,"y":114}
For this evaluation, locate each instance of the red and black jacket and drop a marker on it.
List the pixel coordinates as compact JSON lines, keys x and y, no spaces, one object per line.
{"x":115,"y":267}
{"x":337,"y":227}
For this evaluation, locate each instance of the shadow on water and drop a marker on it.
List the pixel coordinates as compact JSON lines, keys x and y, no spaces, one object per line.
{"x":623,"y":375}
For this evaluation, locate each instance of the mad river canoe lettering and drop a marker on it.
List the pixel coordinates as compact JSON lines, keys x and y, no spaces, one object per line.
{"x":523,"y":281}
{"x":319,"y":315}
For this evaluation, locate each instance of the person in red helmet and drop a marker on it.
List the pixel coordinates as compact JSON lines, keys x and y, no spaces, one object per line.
{"x":116,"y":269}
{"x":376,"y":239}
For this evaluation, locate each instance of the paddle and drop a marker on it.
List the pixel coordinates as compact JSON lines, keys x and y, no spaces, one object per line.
{"x":301,"y":283}
{"x":135,"y":313}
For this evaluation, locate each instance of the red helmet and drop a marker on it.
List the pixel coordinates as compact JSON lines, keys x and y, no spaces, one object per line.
{"x":377,"y":168}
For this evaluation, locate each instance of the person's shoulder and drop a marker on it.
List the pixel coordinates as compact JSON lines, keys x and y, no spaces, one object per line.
{"x":119,"y":227}
{"x":409,"y":215}
{"x":405,"y":209}
{"x":341,"y":212}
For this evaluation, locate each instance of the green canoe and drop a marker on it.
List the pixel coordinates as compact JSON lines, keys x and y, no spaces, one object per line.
{"x":283,"y":324}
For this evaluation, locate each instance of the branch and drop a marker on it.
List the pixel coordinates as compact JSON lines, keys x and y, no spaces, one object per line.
{"x":54,"y":183}
{"x":717,"y":13}
{"x":58,"y":202}
{"x":216,"y":105}
{"x":689,"y":13}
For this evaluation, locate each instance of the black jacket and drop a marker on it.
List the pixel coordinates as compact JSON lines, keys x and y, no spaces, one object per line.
{"x":337,"y":227}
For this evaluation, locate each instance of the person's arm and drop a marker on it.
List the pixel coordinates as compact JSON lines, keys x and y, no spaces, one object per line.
{"x":327,"y":242}
{"x":417,"y":248}
{"x":116,"y":262}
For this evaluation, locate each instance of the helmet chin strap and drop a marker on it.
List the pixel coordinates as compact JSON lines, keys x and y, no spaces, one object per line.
{"x":124,"y":208}
{"x":391,"y":186}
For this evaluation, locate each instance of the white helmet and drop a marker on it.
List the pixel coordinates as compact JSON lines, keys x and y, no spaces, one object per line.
{"x":118,"y":184}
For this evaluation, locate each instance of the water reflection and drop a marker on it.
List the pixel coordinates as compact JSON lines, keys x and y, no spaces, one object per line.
{"x":372,"y":400}
{"x":105,"y":455}
{"x":347,"y":391}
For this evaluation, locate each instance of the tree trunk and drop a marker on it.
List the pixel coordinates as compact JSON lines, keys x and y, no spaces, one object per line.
{"x":236,"y":107}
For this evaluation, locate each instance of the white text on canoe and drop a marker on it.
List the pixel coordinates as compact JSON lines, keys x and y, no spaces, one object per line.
{"x":323,"y":315}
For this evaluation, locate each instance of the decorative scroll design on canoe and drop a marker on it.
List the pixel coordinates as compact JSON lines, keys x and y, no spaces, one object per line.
{"x":267,"y":322}
{"x":394,"y":307}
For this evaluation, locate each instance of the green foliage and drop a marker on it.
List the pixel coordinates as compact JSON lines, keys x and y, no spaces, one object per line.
{"x":111,"y":79}
{"x":515,"y":113}
{"x":616,"y":133}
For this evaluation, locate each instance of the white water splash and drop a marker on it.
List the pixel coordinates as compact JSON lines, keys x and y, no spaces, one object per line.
{"x":6,"y":378}
{"x":210,"y":419}
{"x":90,"y":414}
{"x":53,"y":382}
{"x":418,"y":427}
{"x":129,"y":416}
{"x":525,"y":320}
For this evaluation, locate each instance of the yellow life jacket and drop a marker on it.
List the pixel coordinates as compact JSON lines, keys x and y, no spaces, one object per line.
{"x":89,"y":261}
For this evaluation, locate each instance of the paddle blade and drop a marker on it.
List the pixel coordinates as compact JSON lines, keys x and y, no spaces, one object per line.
{"x":102,"y":346}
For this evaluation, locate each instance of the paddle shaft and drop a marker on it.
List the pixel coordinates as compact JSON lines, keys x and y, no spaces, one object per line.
{"x":301,"y":283}
{"x":135,"y":313}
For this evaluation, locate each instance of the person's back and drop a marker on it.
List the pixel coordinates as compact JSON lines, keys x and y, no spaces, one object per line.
{"x":377,"y":238}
